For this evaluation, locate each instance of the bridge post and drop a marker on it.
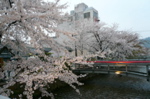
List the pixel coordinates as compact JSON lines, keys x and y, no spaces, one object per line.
{"x":75,"y":66}
{"x":126,"y":70}
{"x":79,"y":66}
{"x":93,"y":68}
{"x":148,"y":72}
{"x":108,"y":69}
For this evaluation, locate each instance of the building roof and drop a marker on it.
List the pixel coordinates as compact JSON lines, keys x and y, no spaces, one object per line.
{"x":90,"y":8}
{"x":83,"y":4}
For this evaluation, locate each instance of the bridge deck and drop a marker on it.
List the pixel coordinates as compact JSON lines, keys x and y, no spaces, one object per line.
{"x":119,"y":62}
{"x":140,"y":68}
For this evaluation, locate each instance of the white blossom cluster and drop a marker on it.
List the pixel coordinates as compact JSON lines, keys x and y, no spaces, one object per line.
{"x":29,"y":23}
{"x":25,"y":23}
{"x":99,"y":37}
{"x":37,"y":74}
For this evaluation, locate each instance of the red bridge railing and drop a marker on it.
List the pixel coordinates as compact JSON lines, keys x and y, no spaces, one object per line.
{"x":124,"y":67}
{"x":119,"y":62}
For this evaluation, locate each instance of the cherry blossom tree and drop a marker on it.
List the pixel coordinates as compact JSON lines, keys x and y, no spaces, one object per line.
{"x":83,"y":35}
{"x":116,"y":44}
{"x":82,"y":29}
{"x":101,"y":38}
{"x":30,"y":22}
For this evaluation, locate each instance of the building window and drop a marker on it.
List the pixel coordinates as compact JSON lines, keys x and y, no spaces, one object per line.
{"x":95,"y":14}
{"x":76,"y":16}
{"x":87,"y":15}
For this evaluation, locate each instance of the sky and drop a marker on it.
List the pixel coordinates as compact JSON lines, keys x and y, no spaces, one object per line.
{"x":133,"y":15}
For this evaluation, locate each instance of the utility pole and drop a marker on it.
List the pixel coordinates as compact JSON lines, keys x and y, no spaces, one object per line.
{"x":76,"y":49}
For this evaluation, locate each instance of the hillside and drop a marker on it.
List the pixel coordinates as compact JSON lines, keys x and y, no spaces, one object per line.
{"x":146,"y":42}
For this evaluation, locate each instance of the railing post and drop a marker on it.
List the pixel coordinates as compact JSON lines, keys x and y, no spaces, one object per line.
{"x":79,"y":66}
{"x":93,"y":69}
{"x":75,"y":66}
{"x":148,"y":72}
{"x":126,"y":70}
{"x":108,"y":69}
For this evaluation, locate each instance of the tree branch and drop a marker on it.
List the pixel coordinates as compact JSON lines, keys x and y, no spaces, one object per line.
{"x":11,"y":24}
{"x":10,"y":3}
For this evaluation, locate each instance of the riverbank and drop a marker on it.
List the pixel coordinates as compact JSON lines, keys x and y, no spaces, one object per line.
{"x":104,"y":86}
{"x":18,"y":89}
{"x":98,"y":86}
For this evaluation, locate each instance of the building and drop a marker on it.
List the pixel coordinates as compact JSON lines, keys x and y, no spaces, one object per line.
{"x":80,"y":14}
{"x":82,"y":11}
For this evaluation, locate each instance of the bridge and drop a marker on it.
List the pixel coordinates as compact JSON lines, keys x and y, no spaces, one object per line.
{"x":138,"y":68}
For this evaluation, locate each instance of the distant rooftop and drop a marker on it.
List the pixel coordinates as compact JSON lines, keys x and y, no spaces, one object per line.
{"x":83,"y":7}
{"x":81,"y":4}
{"x":90,"y":8}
